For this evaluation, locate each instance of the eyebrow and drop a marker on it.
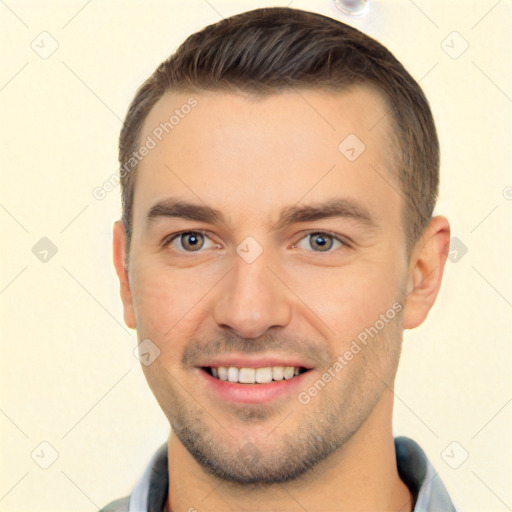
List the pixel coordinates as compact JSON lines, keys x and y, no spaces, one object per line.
{"x":337,"y":207}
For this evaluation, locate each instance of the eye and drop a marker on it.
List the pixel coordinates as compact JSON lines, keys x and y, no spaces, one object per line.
{"x":320,"y":241}
{"x":189,"y":241}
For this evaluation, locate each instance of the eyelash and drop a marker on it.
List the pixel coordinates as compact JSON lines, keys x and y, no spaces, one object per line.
{"x":168,"y":240}
{"x":344,"y":244}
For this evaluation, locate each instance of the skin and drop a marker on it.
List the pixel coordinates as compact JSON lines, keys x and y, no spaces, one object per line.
{"x":249,"y":158}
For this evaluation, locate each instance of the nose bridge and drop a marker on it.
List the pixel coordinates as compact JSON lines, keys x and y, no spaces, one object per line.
{"x":253,"y":300}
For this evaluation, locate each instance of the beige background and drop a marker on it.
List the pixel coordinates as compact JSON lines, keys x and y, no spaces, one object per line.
{"x":68,"y":375}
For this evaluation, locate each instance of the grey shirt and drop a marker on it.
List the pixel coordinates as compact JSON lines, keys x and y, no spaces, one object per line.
{"x":414,"y":468}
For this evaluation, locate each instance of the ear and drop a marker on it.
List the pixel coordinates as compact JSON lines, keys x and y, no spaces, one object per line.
{"x":122,"y":273}
{"x":426,"y":269}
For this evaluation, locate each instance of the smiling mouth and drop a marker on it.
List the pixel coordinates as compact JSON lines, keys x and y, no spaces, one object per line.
{"x":264,"y":375}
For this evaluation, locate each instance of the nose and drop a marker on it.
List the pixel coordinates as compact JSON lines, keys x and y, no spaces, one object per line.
{"x":252,"y":299}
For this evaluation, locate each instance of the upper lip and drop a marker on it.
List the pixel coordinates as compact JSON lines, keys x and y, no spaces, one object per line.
{"x":241,"y":361}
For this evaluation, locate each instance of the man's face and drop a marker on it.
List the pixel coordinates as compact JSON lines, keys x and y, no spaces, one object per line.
{"x":254,"y":290}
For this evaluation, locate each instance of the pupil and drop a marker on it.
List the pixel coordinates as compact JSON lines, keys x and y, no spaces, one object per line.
{"x":192,"y":241}
{"x":321,"y":241}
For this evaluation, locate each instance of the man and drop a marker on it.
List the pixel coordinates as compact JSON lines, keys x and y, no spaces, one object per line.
{"x":279,"y":174}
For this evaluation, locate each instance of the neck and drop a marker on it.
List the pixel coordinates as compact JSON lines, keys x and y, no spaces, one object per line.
{"x":360,"y":475}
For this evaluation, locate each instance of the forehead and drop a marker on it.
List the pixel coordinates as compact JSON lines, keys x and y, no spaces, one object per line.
{"x":240,"y":152}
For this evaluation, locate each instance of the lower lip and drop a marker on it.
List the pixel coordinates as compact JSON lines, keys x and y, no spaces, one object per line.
{"x":252,"y":393}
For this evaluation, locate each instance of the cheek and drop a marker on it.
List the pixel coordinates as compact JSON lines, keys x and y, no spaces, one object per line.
{"x":350,"y":299}
{"x":168,"y":301}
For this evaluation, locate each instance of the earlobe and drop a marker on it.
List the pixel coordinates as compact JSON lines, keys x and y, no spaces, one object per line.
{"x":426,"y":269}
{"x":122,"y":273}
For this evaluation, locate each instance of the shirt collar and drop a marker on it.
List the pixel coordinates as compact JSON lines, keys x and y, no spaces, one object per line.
{"x":421,"y":478}
{"x":150,"y":493}
{"x":414,"y":468}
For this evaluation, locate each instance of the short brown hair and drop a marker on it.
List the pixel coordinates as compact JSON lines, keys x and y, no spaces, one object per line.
{"x":272,"y":49}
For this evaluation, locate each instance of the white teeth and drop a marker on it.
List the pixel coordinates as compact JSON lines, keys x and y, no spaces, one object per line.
{"x":288,"y":372}
{"x":264,"y":375}
{"x":232,"y":374}
{"x":247,"y":376}
{"x":277,"y":372}
{"x":255,"y":375}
